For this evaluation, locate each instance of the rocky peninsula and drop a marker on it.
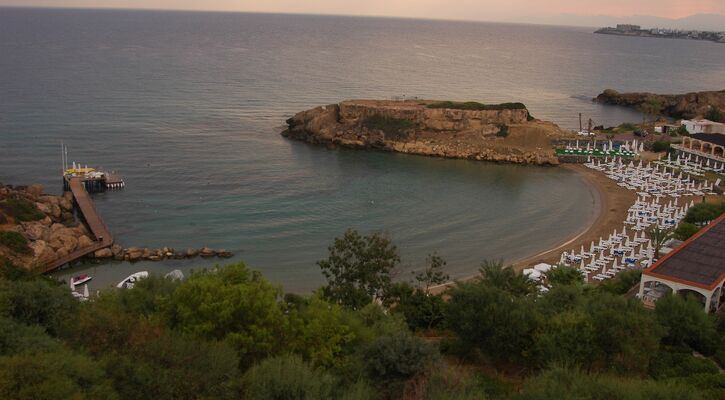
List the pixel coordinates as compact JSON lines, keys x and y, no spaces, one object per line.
{"x":501,"y":132}
{"x":37,"y":229}
{"x":688,"y":105}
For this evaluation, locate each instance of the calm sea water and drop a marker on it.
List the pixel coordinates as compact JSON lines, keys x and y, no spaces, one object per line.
{"x":188,"y":107}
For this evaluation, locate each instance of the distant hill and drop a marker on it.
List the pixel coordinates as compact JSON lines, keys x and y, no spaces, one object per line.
{"x":705,"y":22}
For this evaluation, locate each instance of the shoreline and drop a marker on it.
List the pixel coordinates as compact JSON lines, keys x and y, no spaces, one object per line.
{"x":611,"y":203}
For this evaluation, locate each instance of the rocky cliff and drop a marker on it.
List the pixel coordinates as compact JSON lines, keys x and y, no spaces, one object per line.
{"x":689,"y":105}
{"x":494,"y":133}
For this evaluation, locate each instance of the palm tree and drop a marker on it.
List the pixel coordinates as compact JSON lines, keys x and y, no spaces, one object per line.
{"x":494,"y":273}
{"x":659,"y":236}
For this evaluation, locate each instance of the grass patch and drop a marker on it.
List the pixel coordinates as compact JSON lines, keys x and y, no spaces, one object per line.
{"x":476,"y":106}
{"x":392,"y":127}
{"x":21,"y":209}
{"x":15,"y":242}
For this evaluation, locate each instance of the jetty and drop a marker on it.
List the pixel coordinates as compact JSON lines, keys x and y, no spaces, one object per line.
{"x":80,"y":181}
{"x":87,"y":212}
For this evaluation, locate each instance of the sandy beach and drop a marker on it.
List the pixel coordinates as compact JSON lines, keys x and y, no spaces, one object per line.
{"x":611,"y":203}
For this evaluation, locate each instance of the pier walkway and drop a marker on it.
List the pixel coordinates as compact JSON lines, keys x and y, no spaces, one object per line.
{"x":101,"y":235}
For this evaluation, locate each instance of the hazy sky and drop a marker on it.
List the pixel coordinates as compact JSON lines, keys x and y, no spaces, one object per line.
{"x":491,"y":10}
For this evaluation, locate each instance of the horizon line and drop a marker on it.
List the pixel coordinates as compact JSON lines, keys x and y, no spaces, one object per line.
{"x":187,"y":10}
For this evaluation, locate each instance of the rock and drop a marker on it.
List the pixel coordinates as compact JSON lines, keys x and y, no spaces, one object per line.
{"x":223,"y":253}
{"x":116,"y":250}
{"x":191,"y":253}
{"x":46,"y":221}
{"x":36,"y":231}
{"x":42,"y":252}
{"x":35,"y":190}
{"x":65,"y":204}
{"x":207,"y":252}
{"x":103,"y":253}
{"x":55,"y":212}
{"x":44,"y":208}
{"x":179,"y":255}
{"x":154,"y":257}
{"x":134,"y":254}
{"x":84,"y":241}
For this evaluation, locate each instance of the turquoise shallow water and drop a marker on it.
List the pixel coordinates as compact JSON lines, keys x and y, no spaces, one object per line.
{"x":188,"y":108}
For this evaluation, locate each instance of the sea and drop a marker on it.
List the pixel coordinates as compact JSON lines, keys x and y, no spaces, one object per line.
{"x":188,"y":108}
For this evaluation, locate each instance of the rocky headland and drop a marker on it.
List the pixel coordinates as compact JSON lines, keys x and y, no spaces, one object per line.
{"x":689,"y":105}
{"x":501,"y":132}
{"x":37,"y":229}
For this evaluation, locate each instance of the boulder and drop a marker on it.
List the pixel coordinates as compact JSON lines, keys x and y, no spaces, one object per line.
{"x":116,"y":250}
{"x":42,"y":252}
{"x":35,"y":190}
{"x":84,"y":241}
{"x":191,"y":253}
{"x":134,"y":254}
{"x":55,"y":212}
{"x":46,"y":221}
{"x":223,"y":253}
{"x":103,"y":253}
{"x":65,"y":204}
{"x":44,"y":208}
{"x":36,"y":231}
{"x":207,"y":252}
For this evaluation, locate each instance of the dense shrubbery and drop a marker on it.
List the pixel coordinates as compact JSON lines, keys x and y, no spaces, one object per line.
{"x":472,"y":105}
{"x":15,"y":242}
{"x":685,"y":230}
{"x":661,"y":146}
{"x":702,"y":213}
{"x":714,"y":114}
{"x":392,"y":127}
{"x":228,"y":333}
{"x":21,"y":209}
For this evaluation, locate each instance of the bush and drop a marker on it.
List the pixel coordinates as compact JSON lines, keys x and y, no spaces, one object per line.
{"x":704,"y":212}
{"x":685,"y":230}
{"x":714,"y":114}
{"x":15,"y":242}
{"x":392,"y":127}
{"x":660,"y":146}
{"x":38,"y":302}
{"x":21,"y":209}
{"x":622,"y":283}
{"x":673,"y":364}
{"x":286,"y":377}
{"x":686,"y":324}
{"x":627,"y":126}
{"x":398,"y":357}
{"x":476,"y":106}
{"x":503,"y":131}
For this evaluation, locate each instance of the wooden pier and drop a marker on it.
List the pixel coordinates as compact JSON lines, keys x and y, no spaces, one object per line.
{"x":101,"y":235}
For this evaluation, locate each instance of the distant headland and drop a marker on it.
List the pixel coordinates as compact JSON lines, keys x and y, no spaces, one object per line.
{"x":493,"y":132}
{"x":636,"y":30}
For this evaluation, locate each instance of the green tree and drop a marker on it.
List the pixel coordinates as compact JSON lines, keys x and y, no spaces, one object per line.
{"x":704,"y":212}
{"x":492,"y":320}
{"x":626,"y":335}
{"x":391,"y":360}
{"x":568,"y":339}
{"x":38,"y":302}
{"x":685,"y":230}
{"x":358,"y":269}
{"x":495,"y":274}
{"x":564,"y":275}
{"x":659,"y":237}
{"x":714,"y":114}
{"x":686,"y":324}
{"x":433,"y":274}
{"x":55,"y":375}
{"x":232,"y":304}
{"x":286,"y":378}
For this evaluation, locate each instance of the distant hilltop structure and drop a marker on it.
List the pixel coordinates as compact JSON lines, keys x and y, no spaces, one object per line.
{"x":636,"y":30}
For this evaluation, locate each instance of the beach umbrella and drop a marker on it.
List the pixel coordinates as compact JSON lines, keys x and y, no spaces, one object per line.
{"x":85,"y":291}
{"x":581,"y":266}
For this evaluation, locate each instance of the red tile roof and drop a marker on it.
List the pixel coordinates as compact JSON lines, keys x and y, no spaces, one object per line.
{"x":699,"y":261}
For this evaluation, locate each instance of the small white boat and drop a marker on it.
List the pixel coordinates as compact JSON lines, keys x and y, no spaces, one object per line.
{"x":131,"y":280}
{"x":80,"y":279}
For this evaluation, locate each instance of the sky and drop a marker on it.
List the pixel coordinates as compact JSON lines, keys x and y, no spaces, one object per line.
{"x":483,"y":10}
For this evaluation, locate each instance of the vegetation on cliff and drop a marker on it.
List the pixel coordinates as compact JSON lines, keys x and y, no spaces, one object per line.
{"x":476,"y":106}
{"x":228,"y":333}
{"x":392,"y":127}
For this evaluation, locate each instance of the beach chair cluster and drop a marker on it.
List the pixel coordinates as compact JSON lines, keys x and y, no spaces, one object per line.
{"x":603,"y":149}
{"x":608,"y":257}
{"x":692,"y":164}
{"x":644,"y":214}
{"x":650,"y":179}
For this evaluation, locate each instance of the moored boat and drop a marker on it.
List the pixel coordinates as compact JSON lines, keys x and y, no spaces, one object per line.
{"x":80,"y":279}
{"x":131,"y":280}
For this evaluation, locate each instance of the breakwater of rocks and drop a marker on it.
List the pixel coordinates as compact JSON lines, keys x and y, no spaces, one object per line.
{"x":133,"y":254}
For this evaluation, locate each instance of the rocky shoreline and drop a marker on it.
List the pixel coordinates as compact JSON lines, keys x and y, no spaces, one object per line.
{"x":37,"y":229}
{"x":490,"y":133}
{"x":689,"y":105}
